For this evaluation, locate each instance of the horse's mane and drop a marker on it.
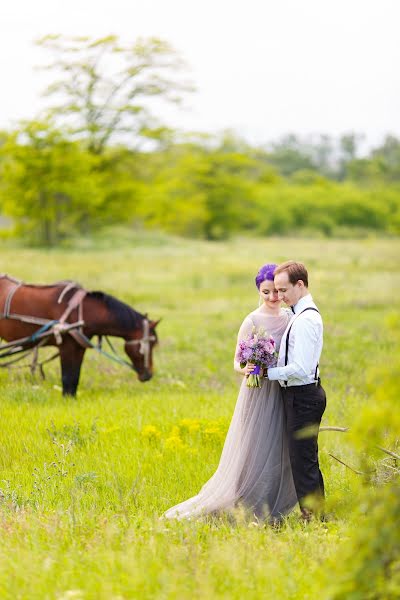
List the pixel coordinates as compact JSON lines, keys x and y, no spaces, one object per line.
{"x":127,"y":317}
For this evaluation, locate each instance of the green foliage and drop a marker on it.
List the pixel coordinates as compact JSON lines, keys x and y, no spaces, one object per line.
{"x":123,"y":187}
{"x":213,"y":193}
{"x":202,"y":194}
{"x":327,"y":207}
{"x":290,"y":155}
{"x":54,"y":189}
{"x":383,"y":165}
{"x":369,"y":565}
{"x":48,"y":185}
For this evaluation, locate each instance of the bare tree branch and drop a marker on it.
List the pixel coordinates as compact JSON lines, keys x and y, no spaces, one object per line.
{"x":348,"y":466}
{"x":333,"y":428}
{"x":393,"y":454}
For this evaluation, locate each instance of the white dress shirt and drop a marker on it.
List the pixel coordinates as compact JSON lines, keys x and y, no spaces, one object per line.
{"x":305,"y":346}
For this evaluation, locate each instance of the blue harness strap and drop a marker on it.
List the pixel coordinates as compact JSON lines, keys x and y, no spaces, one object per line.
{"x":42,"y":329}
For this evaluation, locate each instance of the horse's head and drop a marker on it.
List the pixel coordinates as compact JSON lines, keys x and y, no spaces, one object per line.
{"x":110,"y":316}
{"x":139,"y":347}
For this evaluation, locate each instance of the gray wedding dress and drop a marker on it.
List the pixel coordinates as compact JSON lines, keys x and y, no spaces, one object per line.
{"x":254,"y":469}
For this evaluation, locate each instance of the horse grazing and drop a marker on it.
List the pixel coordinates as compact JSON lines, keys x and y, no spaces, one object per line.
{"x":66,"y":315}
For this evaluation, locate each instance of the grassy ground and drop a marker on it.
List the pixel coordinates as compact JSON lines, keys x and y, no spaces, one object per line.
{"x":84,"y":481}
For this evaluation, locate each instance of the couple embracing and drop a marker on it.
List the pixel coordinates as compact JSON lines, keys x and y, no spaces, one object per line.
{"x":269,"y":461}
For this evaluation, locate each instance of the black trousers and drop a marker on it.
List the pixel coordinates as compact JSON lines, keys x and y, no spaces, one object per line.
{"x":304,"y":407}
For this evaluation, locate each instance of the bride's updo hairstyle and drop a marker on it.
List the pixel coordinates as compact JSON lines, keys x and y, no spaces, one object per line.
{"x":265,"y":273}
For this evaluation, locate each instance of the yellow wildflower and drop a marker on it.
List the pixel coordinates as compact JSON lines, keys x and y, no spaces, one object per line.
{"x":150,"y":433}
{"x":174,"y":442}
{"x":190,"y":425}
{"x":213,"y":431}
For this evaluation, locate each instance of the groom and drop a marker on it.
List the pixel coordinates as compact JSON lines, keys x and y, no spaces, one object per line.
{"x":298,"y":374}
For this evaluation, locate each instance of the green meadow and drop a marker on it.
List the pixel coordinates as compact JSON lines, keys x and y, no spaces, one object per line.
{"x":84,"y":481}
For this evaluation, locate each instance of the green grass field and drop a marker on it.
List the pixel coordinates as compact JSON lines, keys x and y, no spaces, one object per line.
{"x":85,"y":481}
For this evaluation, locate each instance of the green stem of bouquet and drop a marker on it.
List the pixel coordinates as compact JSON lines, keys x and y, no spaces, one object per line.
{"x":253,"y":381}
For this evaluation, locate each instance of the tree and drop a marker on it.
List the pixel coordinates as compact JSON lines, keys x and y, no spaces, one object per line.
{"x":348,"y":147}
{"x":323,"y":155}
{"x":105,"y":88}
{"x":49,"y":185}
{"x":202,"y":193}
{"x":289,"y":155}
{"x":388,"y":156}
{"x":381,"y":166}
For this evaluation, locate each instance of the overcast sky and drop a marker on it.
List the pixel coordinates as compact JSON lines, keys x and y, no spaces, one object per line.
{"x":262,"y":67}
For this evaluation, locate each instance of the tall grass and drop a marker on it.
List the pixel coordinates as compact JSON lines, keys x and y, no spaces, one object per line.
{"x":85,"y":481}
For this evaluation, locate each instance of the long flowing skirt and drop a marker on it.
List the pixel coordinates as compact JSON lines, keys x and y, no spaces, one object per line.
{"x":254,"y":468}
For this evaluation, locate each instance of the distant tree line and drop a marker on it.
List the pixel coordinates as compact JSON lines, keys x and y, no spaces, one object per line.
{"x":98,"y":156}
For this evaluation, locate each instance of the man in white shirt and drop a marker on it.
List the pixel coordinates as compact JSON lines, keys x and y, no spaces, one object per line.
{"x":298,"y":374}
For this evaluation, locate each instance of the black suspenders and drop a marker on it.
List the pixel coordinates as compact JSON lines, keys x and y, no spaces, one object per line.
{"x":287,"y":340}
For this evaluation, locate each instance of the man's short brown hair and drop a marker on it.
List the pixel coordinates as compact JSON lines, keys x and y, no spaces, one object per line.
{"x":295,"y":271}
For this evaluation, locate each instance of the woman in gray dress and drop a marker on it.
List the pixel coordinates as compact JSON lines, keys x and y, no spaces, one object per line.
{"x":254,"y":468}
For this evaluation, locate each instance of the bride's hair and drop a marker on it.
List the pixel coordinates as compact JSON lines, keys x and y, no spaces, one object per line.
{"x":266,"y":272}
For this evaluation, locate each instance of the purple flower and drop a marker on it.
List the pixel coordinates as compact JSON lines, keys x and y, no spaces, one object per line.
{"x":269,"y":348}
{"x":259,"y":348}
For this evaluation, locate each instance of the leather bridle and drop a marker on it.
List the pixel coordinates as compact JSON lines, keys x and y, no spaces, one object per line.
{"x":144,"y":342}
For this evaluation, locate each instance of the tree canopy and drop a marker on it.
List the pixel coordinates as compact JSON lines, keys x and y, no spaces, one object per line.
{"x":103,"y":89}
{"x":88,"y":162}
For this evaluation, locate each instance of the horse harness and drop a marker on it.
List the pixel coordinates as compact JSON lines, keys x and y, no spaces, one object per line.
{"x":60,"y":326}
{"x":144,"y":343}
{"x":55,"y":327}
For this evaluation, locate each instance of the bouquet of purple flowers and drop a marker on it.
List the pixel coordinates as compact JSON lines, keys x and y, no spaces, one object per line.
{"x":258,"y":348}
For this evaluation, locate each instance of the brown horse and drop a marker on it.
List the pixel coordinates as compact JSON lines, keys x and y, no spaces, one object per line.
{"x":72,"y":317}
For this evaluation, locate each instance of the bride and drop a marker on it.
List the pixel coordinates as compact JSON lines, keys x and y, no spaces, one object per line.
{"x":254,"y":469}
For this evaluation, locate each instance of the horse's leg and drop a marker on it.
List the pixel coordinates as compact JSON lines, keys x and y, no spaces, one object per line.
{"x":71,"y":355}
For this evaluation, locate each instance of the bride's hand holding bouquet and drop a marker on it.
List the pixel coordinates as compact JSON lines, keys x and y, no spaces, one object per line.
{"x":256,"y":353}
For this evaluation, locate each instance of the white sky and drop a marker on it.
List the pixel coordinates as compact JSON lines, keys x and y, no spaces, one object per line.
{"x":262,"y":67}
